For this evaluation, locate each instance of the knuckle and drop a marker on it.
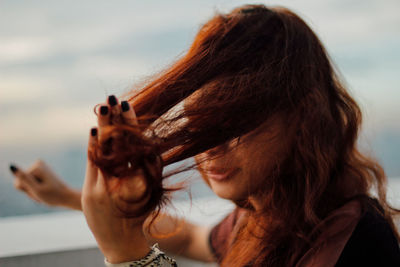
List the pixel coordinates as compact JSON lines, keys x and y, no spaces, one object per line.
{"x":35,"y":170}
{"x":38,"y":169}
{"x":37,"y":164}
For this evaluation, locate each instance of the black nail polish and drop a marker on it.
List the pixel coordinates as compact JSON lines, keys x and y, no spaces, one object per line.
{"x":112,"y":100}
{"x":103,"y":110}
{"x":13,"y":168}
{"x":93,"y":131}
{"x":124,"y":106}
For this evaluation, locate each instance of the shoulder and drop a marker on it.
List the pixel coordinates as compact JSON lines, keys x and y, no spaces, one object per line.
{"x":372,"y":243}
{"x":221,"y":234}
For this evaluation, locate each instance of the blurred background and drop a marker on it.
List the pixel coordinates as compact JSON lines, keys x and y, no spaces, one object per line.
{"x":60,"y":58}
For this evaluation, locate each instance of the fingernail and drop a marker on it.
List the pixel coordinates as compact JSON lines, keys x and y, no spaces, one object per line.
{"x":93,"y":131}
{"x":103,"y":110}
{"x":124,"y":106}
{"x":13,"y":168}
{"x":112,"y":100}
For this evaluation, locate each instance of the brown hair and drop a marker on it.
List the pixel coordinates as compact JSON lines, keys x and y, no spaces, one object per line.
{"x":251,"y":64}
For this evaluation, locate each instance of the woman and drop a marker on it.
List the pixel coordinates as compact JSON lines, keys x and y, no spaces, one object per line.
{"x":271,"y":128}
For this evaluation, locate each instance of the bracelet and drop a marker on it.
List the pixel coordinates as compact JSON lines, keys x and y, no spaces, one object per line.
{"x":155,"y":258}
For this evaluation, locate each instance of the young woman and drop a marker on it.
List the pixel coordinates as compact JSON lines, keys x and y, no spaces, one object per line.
{"x":257,"y":102}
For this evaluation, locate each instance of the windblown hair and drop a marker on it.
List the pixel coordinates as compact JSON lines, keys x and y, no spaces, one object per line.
{"x":244,"y":67}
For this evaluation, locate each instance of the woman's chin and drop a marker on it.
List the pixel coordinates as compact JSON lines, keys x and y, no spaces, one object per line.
{"x":225,"y":190}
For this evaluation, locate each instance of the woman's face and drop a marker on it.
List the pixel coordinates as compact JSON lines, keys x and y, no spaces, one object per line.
{"x":239,"y":169}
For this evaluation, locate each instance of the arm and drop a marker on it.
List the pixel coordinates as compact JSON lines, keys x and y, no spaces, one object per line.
{"x":183,"y":238}
{"x":42,"y":185}
{"x":180,"y":237}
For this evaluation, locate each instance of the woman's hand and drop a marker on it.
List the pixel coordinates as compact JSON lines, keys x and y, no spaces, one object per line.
{"x":42,"y":185}
{"x":104,"y":199}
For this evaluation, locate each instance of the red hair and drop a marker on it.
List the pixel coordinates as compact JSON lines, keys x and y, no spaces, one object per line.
{"x":248,"y":65}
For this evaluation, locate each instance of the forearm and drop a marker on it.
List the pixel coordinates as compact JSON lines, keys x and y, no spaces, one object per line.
{"x":180,"y":237}
{"x":72,"y":199}
{"x":169,"y":232}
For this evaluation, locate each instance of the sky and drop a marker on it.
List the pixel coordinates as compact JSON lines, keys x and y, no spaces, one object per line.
{"x":58,"y":59}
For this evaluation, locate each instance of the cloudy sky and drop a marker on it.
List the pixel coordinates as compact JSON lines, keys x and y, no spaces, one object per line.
{"x":60,"y":58}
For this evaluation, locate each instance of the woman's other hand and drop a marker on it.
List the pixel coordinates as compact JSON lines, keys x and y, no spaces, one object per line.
{"x":105,"y":199}
{"x":42,"y":185}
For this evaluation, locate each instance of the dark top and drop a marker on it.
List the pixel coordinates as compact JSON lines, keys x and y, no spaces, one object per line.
{"x":372,"y":242}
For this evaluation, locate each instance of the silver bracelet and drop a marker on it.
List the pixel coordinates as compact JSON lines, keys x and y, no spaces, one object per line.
{"x":155,"y":258}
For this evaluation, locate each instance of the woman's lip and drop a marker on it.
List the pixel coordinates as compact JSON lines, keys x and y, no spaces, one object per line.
{"x":219,"y":176}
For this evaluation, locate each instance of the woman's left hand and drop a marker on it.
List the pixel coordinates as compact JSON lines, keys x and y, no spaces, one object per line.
{"x":120,"y":239}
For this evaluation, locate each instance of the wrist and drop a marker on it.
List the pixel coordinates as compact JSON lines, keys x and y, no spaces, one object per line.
{"x":73,"y":199}
{"x":121,"y":256}
{"x":155,"y":257}
{"x":126,"y":249}
{"x":133,"y":250}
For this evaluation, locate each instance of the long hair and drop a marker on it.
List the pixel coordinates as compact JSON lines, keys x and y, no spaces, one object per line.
{"x":245,"y":67}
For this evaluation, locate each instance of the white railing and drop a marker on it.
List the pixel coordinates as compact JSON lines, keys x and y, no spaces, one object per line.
{"x":64,"y":239}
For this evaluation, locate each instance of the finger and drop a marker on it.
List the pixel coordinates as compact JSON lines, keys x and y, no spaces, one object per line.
{"x":115,"y":109}
{"x":24,"y":177}
{"x":93,"y":138}
{"x":101,"y":185}
{"x":91,"y":174}
{"x":128,"y":113}
{"x":40,"y":171}
{"x":13,"y":168}
{"x":91,"y":169}
{"x":19,"y":185}
{"x":103,"y":117}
